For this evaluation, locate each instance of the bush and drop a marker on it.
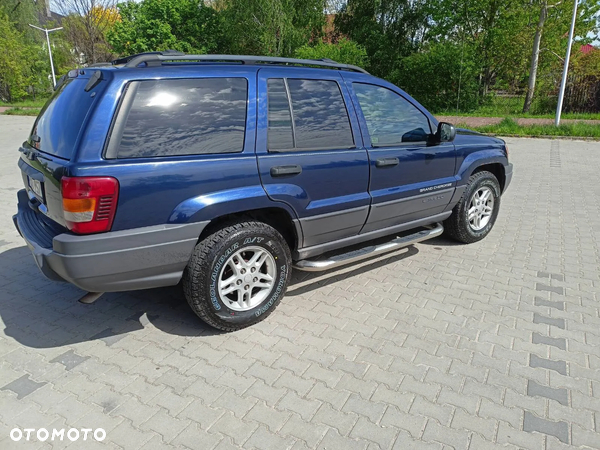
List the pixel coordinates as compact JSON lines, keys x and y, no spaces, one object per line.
{"x":344,"y":51}
{"x":443,"y":77}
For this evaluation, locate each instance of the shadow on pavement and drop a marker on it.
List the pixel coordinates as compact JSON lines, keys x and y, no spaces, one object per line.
{"x":41,"y":313}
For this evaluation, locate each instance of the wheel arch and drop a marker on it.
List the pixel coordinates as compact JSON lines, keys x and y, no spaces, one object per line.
{"x":496,"y":169}
{"x":278,"y":218}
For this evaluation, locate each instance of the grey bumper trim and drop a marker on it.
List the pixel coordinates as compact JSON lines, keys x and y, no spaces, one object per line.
{"x":508,"y":174}
{"x":139,"y":258}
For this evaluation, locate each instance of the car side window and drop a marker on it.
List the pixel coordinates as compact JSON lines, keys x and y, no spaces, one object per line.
{"x":280,"y":133}
{"x":391,"y":119}
{"x":185,"y":117}
{"x":318,"y":120}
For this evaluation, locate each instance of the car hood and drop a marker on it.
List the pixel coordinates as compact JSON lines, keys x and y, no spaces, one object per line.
{"x":464,"y":135}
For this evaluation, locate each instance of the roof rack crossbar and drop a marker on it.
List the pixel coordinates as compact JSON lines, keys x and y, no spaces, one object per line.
{"x":153,"y":58}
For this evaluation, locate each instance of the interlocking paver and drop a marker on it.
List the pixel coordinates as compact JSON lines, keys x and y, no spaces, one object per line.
{"x":431,"y":348}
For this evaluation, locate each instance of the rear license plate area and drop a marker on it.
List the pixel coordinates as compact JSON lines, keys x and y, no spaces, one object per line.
{"x":36,"y":187}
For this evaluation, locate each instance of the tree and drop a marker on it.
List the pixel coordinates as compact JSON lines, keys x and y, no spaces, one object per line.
{"x":344,"y":51}
{"x":272,"y":27}
{"x":85,"y":26}
{"x":152,"y":25}
{"x":551,"y":34}
{"x":21,"y":13}
{"x":535,"y":54}
{"x":13,"y":62}
{"x":387,"y":29}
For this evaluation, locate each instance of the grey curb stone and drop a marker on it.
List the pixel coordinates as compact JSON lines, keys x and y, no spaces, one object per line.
{"x":559,"y":430}
{"x":70,"y":359}
{"x":538,"y":301}
{"x":537,"y":338}
{"x":560,"y":395}
{"x":545,"y":287}
{"x":558,"y":366}
{"x":538,"y":318}
{"x":23,"y":386}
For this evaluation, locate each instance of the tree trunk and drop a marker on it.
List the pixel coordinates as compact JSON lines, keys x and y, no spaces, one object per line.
{"x":535,"y":56}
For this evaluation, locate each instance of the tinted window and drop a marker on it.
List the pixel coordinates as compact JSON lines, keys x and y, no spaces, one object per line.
{"x":390,"y":118}
{"x":60,"y":121}
{"x":280,"y":135}
{"x":185,"y":117}
{"x":320,"y":116}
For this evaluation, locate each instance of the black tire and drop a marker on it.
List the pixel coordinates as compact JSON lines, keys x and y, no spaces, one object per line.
{"x":457,"y":225}
{"x":201,"y":275}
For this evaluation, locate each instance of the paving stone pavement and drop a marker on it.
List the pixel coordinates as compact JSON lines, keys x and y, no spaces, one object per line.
{"x":486,"y":346}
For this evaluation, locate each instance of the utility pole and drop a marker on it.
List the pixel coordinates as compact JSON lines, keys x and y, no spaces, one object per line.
{"x":563,"y":84}
{"x":45,"y":30}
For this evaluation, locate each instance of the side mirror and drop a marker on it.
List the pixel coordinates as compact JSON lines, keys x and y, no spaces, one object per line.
{"x":445,"y":132}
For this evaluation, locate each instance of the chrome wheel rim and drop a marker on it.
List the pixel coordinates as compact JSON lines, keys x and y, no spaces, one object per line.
{"x":247,"y":278}
{"x":481,"y":208}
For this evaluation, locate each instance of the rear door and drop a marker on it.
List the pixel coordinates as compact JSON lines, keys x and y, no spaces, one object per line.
{"x":411,"y":178}
{"x":310,"y":152}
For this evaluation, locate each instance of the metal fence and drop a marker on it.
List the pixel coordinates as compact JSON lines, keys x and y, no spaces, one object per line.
{"x":583,"y":94}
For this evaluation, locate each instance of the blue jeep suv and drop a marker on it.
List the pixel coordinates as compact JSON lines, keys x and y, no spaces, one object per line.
{"x":223,"y":172}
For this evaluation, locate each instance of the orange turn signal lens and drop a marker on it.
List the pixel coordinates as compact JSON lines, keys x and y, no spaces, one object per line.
{"x":79,"y":205}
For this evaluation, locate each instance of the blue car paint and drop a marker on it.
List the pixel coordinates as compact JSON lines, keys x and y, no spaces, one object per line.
{"x":332,"y":181}
{"x":196,"y":188}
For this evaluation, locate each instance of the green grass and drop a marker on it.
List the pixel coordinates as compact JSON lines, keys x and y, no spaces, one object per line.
{"x":18,"y":111}
{"x":509,"y":127}
{"x":37,"y":103}
{"x":513,"y":107}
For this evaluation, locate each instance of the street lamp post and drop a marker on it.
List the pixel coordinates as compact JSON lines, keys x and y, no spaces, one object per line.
{"x":563,"y":84}
{"x":45,"y":30}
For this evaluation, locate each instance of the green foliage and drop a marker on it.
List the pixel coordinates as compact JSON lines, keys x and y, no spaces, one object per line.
{"x":344,"y":51}
{"x":271,"y":27}
{"x":21,"y":13}
{"x":586,"y":65}
{"x":14,"y":72}
{"x":388,"y":29}
{"x":442,"y":77}
{"x":153,"y":25}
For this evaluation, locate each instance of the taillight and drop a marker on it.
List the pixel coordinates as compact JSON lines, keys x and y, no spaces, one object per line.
{"x":89,"y":203}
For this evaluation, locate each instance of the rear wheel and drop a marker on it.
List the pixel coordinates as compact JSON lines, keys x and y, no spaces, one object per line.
{"x":475,"y":214}
{"x":237,"y":275}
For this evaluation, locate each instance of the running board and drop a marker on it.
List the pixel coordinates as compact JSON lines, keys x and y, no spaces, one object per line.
{"x":367,"y":252}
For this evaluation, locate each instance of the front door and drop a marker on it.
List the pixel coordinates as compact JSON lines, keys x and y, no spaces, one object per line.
{"x":411,"y":178}
{"x":310,"y":152}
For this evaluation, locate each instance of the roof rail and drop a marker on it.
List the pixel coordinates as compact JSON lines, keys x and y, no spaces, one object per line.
{"x":157,"y":58}
{"x":126,"y":59}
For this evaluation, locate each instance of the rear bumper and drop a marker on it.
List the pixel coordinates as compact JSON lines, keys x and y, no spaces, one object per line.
{"x":140,"y":258}
{"x":508,"y":173}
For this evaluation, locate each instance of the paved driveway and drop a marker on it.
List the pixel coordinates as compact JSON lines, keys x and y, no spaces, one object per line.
{"x":491,"y":345}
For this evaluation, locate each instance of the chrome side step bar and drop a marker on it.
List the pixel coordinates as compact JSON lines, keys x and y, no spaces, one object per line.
{"x":367,"y":252}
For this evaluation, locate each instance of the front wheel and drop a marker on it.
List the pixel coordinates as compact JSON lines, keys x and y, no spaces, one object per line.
{"x":474,"y":216}
{"x":237,"y":275}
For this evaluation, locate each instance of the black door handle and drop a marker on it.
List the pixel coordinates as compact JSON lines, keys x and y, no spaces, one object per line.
{"x":281,"y":171}
{"x":387,"y":162}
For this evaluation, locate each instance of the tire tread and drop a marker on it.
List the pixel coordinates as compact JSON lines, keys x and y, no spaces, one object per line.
{"x":194,"y":282}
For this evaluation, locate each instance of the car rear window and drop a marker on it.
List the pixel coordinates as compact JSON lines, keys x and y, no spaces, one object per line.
{"x":184,"y":117}
{"x":60,"y":121}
